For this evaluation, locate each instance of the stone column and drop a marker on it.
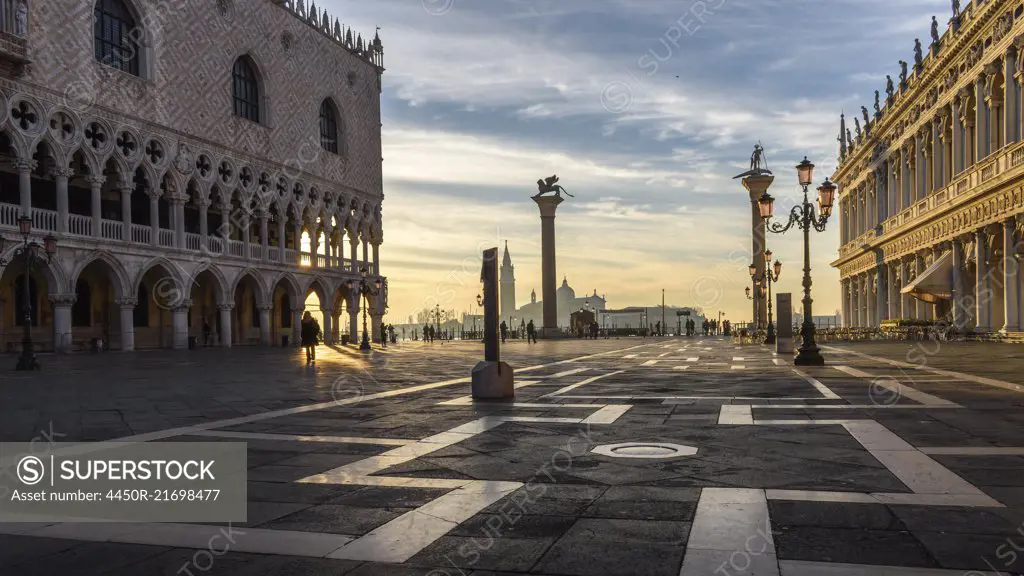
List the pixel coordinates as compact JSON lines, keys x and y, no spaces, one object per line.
{"x":1011,"y":275}
{"x":961,"y":316}
{"x":957,"y":136}
{"x":127,"y":323}
{"x":204,"y":225}
{"x":328,"y":327}
{"x":894,"y":291}
{"x":336,"y":326}
{"x":354,"y":244}
{"x":980,"y":117}
{"x":25,"y":168}
{"x":297,"y":326}
{"x":61,"y":176}
{"x":264,"y":236}
{"x":280,"y":239}
{"x":62,"y":321}
{"x":298,"y":242}
{"x":375,"y":320}
{"x":981,"y":295}
{"x":937,"y":171}
{"x":366,"y":255}
{"x":907,"y":308}
{"x":225,"y":324}
{"x":126,"y":211}
{"x":154,"y":218}
{"x":756,"y":187}
{"x":353,"y":319}
{"x":179,"y":322}
{"x":865,"y":293}
{"x":327,"y":245}
{"x":881,"y":311}
{"x":376,"y":258}
{"x":225,"y":226}
{"x":246,"y":220}
{"x":993,"y":108}
{"x":1011,"y":124}
{"x":845,"y":286}
{"x":178,"y":205}
{"x":548,"y":205}
{"x":96,"y":201}
{"x":264,"y":310}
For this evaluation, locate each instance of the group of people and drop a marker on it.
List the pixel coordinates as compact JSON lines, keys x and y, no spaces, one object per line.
{"x":531,"y":332}
{"x":708,"y":327}
{"x":589,"y":332}
{"x":430,"y":333}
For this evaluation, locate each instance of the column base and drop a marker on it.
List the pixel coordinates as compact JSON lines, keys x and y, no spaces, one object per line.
{"x":809,"y":357}
{"x":784,"y":346}
{"x":492,"y":381}
{"x":549,"y":333}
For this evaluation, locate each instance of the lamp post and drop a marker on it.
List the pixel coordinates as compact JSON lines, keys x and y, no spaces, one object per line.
{"x":804,"y":216}
{"x":770,"y":277}
{"x":758,"y":293}
{"x":365,"y":291}
{"x":32,"y":253}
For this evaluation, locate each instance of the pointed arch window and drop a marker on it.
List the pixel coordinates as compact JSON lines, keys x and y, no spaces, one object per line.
{"x":328,"y":126}
{"x":113,"y":30}
{"x":245,"y":89}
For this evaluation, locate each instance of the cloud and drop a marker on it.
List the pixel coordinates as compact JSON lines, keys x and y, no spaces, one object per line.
{"x":645,"y":117}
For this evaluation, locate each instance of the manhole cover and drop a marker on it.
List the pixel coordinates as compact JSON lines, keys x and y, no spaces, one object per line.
{"x":644,"y":450}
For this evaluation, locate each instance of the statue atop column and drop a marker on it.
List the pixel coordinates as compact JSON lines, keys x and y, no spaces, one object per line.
{"x":867,"y":119}
{"x":549,"y":184}
{"x":878,"y":107}
{"x":935,"y":31}
{"x":903,"y":74}
{"x":918,"y":55}
{"x":956,"y":9}
{"x":756,"y":159}
{"x":889,"y":89}
{"x":21,"y":19}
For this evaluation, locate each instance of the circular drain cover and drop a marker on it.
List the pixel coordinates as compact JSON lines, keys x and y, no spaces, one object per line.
{"x":644,"y":450}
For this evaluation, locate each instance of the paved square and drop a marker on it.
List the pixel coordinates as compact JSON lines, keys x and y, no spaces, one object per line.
{"x":685,"y":456}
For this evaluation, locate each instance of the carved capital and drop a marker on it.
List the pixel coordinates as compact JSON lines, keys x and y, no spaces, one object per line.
{"x":63,"y":300}
{"x":24,"y":165}
{"x":127,"y":303}
{"x":62,"y":173}
{"x":225,"y":307}
{"x":96,"y":180}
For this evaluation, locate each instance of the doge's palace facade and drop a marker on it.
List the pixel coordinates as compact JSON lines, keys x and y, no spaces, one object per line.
{"x":205,"y":165}
{"x":932,"y":187}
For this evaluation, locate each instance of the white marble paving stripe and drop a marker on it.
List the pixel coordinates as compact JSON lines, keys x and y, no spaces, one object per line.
{"x":804,"y":568}
{"x":663,"y":355}
{"x":780,"y":361}
{"x":738,"y":359}
{"x":683,"y":367}
{"x":730,"y":522}
{"x":825,"y":391}
{"x":197,"y":536}
{"x":737,"y":367}
{"x":650,"y":363}
{"x":567,"y":373}
{"x":735,"y":414}
{"x":973,"y":451}
{"x":885,"y":498}
{"x":301,"y":438}
{"x":899,"y":389}
{"x":959,"y":375}
{"x":630,"y":356}
{"x":856,"y":406}
{"x":581,"y":383}
{"x":693,"y":359}
{"x":607,"y":415}
{"x":405,"y":536}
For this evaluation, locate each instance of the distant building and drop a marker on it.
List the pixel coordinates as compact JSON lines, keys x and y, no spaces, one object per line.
{"x":566,"y":299}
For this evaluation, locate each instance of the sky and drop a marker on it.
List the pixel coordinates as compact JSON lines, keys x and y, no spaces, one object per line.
{"x":645,"y":109}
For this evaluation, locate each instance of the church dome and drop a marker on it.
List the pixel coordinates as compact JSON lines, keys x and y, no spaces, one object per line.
{"x":565,"y":292}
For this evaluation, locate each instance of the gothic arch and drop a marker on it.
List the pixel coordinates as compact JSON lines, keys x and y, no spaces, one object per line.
{"x":218,"y":276}
{"x":257,"y":280}
{"x":291,"y":286}
{"x":177,"y":275}
{"x":120,"y":275}
{"x":56,"y":278}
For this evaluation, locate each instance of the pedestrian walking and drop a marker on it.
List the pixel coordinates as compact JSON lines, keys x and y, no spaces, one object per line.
{"x":504,"y":331}
{"x":310,"y":335}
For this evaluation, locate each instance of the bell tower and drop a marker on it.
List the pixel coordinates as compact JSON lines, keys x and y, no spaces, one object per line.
{"x":507,"y":290}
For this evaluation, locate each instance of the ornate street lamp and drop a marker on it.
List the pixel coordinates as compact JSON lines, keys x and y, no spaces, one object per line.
{"x":803,"y":215}
{"x":365,"y":291}
{"x":770,"y":277}
{"x":32,"y":254}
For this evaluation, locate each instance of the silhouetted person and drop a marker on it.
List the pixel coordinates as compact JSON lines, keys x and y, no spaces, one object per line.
{"x":504,"y":331}
{"x":310,"y":335}
{"x":531,"y":333}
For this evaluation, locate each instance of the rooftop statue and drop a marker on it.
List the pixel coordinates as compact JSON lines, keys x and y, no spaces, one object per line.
{"x":878,"y":107}
{"x":549,"y":184}
{"x":935,"y":30}
{"x":889,"y":90}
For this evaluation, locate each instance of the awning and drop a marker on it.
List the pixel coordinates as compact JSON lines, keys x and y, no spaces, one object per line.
{"x":935,"y":283}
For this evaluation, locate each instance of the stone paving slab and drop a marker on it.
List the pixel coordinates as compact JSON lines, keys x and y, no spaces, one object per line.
{"x":823,"y":471}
